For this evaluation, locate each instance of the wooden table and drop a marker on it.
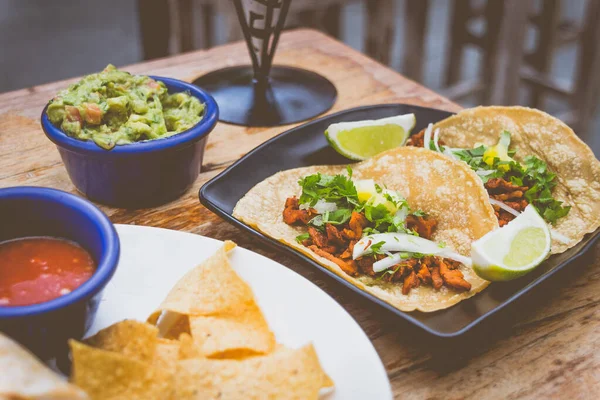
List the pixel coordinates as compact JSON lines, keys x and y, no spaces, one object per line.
{"x":543,"y":347}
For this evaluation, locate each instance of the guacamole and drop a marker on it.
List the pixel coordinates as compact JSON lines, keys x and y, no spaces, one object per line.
{"x":114,"y":107}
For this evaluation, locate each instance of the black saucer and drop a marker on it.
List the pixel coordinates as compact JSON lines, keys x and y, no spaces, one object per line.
{"x":291,"y":95}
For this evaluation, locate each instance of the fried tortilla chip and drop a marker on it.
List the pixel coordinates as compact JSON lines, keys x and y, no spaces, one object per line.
{"x":211,"y":287}
{"x":171,"y":325}
{"x":23,"y":376}
{"x":107,"y":375}
{"x":284,"y":374}
{"x":219,"y":308}
{"x":536,"y":133}
{"x":446,"y":189}
{"x":166,"y":355}
{"x":131,"y":338}
{"x":234,"y":334}
{"x":188,"y":348}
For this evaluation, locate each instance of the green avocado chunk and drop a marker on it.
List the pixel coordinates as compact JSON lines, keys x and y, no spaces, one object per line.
{"x":114,"y":107}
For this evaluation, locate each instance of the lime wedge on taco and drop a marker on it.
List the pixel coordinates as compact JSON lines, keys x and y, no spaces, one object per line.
{"x":359,"y":140}
{"x":513,"y":250}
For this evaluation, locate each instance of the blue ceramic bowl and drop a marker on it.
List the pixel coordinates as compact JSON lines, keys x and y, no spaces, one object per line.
{"x":32,"y":211}
{"x":141,"y":174}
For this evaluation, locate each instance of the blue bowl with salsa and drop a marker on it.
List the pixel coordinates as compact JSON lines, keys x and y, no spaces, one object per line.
{"x":140,"y":174}
{"x":51,"y":215}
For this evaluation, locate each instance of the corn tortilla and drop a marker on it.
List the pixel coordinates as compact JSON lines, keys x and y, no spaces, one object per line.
{"x":445,"y":189}
{"x":536,"y":133}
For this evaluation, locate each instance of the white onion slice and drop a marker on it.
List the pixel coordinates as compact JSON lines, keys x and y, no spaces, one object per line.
{"x":436,"y":139}
{"x":559,"y":237}
{"x":403,"y":242}
{"x":484,"y":172}
{"x":323,"y":206}
{"x":505,"y":207}
{"x":449,"y":153}
{"x":427,"y":136}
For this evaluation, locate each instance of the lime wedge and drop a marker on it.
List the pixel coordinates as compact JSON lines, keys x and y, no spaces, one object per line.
{"x":513,"y":250}
{"x":359,"y":140}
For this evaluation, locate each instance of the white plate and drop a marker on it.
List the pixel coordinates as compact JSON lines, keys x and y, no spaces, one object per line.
{"x":298,"y":312}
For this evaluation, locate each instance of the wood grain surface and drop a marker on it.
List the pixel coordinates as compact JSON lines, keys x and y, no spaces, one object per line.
{"x":547,"y":345}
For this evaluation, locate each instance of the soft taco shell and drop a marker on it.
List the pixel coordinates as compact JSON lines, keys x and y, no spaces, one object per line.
{"x":536,"y":133}
{"x":446,"y":189}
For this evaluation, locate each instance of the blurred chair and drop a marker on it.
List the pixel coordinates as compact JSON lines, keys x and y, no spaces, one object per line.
{"x":380,"y":27}
{"x":324,"y":15}
{"x":461,"y":35}
{"x":583,"y":91}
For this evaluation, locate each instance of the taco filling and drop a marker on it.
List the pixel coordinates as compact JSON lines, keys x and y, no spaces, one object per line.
{"x":511,"y":185}
{"x":369,"y":230}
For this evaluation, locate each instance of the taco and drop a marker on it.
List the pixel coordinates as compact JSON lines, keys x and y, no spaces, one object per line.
{"x":398,"y":225}
{"x":525,"y":156}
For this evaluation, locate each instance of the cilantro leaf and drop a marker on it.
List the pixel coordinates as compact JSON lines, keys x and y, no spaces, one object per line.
{"x":387,"y":272}
{"x":337,"y":217}
{"x":534,"y":174}
{"x":338,"y":189}
{"x":376,"y":247}
{"x":302,"y":238}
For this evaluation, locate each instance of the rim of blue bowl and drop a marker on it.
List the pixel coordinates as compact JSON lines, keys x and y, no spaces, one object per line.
{"x":107,"y":264}
{"x":195,"y":133}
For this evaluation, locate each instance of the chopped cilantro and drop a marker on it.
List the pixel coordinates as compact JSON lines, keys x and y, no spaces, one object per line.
{"x":441,"y":245}
{"x":337,"y":217}
{"x":302,"y":238}
{"x":376,"y":247}
{"x":370,"y":231}
{"x":533,"y":173}
{"x":338,"y":189}
{"x":387,"y":272}
{"x":317,"y":221}
{"x":383,"y":220}
{"x":419,"y":213}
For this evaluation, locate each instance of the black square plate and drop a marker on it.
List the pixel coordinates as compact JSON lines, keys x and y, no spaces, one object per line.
{"x":306,"y":145}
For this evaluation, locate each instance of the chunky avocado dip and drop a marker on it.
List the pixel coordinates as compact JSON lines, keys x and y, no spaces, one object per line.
{"x":114,"y":107}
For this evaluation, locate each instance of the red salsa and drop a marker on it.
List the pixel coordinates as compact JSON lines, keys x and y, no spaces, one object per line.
{"x":37,"y":269}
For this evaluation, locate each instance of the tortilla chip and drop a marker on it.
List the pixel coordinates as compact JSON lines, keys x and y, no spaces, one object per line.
{"x":327,"y":382}
{"x":188,"y":348}
{"x":171,"y":325}
{"x":23,"y":376}
{"x":107,"y":375}
{"x":211,"y":287}
{"x":446,"y":189}
{"x":284,"y":374}
{"x":131,"y":338}
{"x":536,"y":133}
{"x":235,"y":334}
{"x":219,"y":308}
{"x":166,"y":355}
